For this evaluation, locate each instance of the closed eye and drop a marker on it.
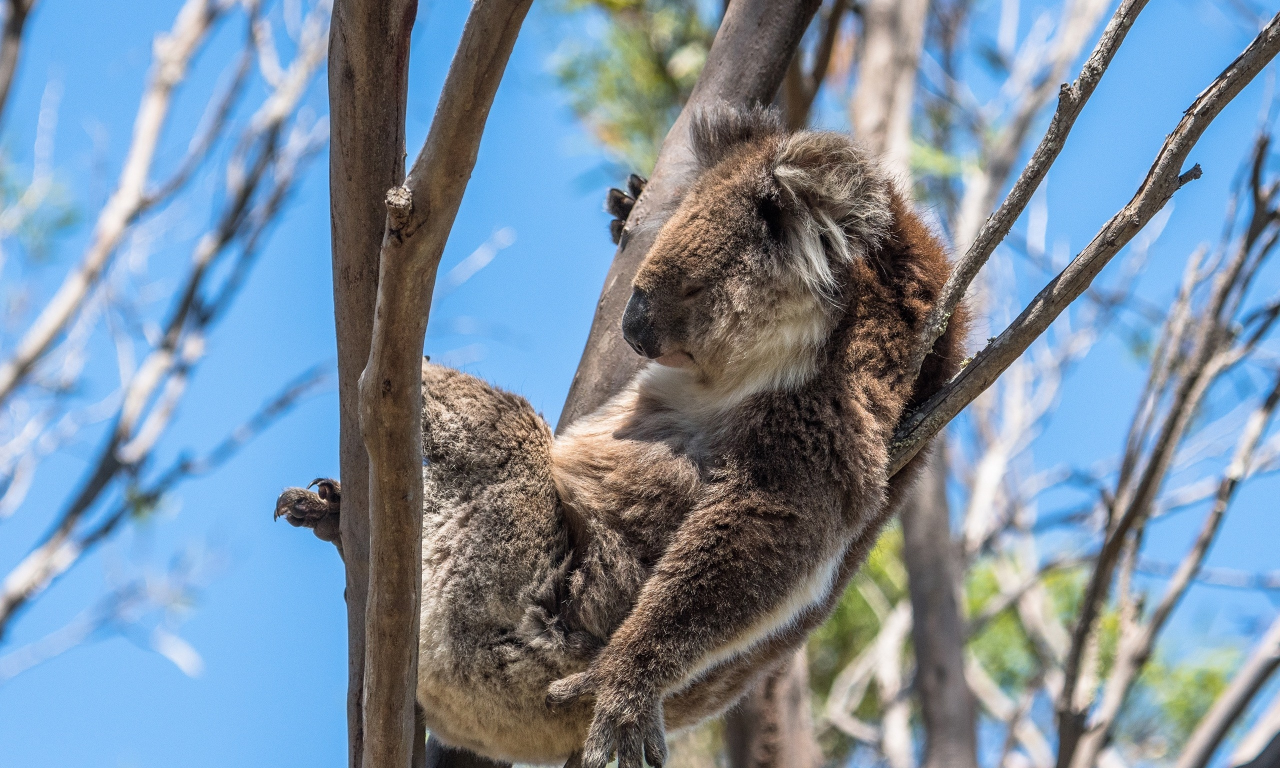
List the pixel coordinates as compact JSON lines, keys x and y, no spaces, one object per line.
{"x":691,"y":291}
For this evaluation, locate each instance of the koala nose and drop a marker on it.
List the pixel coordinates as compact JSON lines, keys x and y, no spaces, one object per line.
{"x":637,"y":325}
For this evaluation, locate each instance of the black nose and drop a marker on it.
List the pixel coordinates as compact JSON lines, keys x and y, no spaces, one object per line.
{"x":637,"y":325}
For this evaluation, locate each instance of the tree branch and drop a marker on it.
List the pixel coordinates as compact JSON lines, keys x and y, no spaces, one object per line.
{"x":1136,"y":642}
{"x":1213,"y":727}
{"x":1071,"y":101}
{"x":1164,"y":178}
{"x":419,"y":216}
{"x":173,"y":53}
{"x":368,"y":88}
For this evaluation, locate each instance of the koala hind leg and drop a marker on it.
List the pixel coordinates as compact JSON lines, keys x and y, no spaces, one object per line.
{"x":319,"y":510}
{"x":495,"y":550}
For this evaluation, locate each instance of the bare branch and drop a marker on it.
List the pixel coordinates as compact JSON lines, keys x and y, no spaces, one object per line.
{"x":420,"y":215}
{"x":1071,"y":100}
{"x":142,"y":417}
{"x":1213,"y":727}
{"x":1263,"y":737}
{"x":1137,"y":641}
{"x":1164,"y":178}
{"x":172,"y":54}
{"x":368,"y":83}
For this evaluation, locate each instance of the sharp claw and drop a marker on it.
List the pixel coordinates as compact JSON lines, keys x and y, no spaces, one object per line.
{"x":636,"y":184}
{"x":618,"y":204}
{"x":615,"y":230}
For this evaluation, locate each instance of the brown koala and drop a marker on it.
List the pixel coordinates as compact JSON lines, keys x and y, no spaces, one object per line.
{"x":642,"y":570}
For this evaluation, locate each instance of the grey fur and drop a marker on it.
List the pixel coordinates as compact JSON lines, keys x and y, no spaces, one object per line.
{"x":641,"y":571}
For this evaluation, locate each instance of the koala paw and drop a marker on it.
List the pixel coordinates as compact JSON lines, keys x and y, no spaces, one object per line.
{"x":618,"y":204}
{"x":318,"y":511}
{"x":626,"y":722}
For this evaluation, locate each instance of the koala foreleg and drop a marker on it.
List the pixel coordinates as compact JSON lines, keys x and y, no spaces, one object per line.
{"x":736,"y":571}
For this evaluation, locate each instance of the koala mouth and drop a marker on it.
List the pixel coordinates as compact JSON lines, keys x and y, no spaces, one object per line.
{"x":675,"y":360}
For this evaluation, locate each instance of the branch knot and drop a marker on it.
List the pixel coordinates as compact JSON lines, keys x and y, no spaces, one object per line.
{"x":399,"y":206}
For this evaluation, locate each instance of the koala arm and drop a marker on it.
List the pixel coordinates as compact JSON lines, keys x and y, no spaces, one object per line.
{"x":735,"y":570}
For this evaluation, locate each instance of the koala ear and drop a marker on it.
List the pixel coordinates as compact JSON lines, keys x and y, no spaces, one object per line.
{"x":770,"y":209}
{"x":840,"y":191}
{"x":717,"y":130}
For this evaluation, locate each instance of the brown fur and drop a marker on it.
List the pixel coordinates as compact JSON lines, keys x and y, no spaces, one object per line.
{"x":718,"y":509}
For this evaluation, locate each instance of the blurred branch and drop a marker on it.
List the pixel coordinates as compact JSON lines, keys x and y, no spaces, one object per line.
{"x":1214,"y":577}
{"x":1138,"y":640}
{"x":173,"y":52}
{"x":123,"y":609}
{"x":884,"y":96}
{"x":1262,"y":738}
{"x":37,"y":573}
{"x":1217,"y":722}
{"x":16,"y":13}
{"x":151,"y":394}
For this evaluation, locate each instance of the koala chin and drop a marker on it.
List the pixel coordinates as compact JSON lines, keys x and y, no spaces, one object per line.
{"x":583,"y":593}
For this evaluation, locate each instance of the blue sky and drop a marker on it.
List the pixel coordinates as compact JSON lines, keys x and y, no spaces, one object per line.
{"x":270,"y":625}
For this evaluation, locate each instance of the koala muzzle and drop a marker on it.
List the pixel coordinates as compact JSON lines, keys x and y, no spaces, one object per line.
{"x":637,"y":325}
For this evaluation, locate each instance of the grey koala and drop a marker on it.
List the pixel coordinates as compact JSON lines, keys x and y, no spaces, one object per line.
{"x":586,"y":592}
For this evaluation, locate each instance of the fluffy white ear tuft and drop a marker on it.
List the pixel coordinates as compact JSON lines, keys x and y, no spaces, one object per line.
{"x":838,"y":198}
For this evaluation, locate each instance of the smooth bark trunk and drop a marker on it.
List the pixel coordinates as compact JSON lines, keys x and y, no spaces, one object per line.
{"x":368,"y":86}
{"x":947,"y":706}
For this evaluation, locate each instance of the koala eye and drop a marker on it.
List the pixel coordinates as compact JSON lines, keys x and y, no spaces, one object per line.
{"x":691,"y":291}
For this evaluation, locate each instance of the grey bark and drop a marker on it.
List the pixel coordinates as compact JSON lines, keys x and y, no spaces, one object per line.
{"x":947,"y":706}
{"x":368,"y":87}
{"x":420,"y":215}
{"x":773,"y":726}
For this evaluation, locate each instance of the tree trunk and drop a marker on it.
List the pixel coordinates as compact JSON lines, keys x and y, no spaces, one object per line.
{"x":772,"y":727}
{"x":892,"y":40}
{"x":947,"y":705}
{"x":368,"y":86}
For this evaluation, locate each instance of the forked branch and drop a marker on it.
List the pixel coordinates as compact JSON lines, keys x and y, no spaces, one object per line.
{"x":420,"y":215}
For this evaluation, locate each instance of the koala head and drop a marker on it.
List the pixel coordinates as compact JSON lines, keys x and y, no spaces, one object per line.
{"x":742,"y":285}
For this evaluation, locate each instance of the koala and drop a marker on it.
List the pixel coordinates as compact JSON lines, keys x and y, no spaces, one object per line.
{"x":586,"y":592}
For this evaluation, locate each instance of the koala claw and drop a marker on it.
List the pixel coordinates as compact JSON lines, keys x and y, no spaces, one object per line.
{"x":319,"y":511}
{"x":626,"y":723}
{"x":618,"y":204}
